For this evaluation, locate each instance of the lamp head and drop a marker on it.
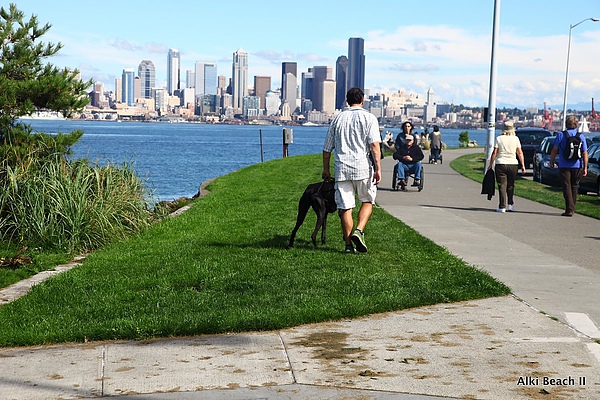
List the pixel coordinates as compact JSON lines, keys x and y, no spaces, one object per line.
{"x":595,"y":19}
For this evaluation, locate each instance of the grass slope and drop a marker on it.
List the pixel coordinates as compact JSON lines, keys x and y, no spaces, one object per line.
{"x":222,"y":267}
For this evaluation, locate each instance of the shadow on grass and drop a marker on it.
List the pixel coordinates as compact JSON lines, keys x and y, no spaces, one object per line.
{"x":281,"y":242}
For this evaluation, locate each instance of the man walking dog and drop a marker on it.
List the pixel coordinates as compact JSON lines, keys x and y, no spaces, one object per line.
{"x":354,"y":134}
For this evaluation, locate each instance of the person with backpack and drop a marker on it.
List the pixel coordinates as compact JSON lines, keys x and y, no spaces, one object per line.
{"x":571,"y":148}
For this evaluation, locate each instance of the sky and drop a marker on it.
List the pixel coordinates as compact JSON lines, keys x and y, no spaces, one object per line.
{"x":409,"y":45}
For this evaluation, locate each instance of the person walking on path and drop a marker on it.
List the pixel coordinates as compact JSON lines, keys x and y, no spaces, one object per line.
{"x":508,"y":156}
{"x":570,"y":170}
{"x":355,"y":136}
{"x":436,"y":144}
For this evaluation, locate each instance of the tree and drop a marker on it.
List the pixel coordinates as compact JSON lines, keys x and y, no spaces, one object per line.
{"x":28,"y":83}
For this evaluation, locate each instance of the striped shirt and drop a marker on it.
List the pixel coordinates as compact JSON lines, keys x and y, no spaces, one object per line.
{"x":351,"y":133}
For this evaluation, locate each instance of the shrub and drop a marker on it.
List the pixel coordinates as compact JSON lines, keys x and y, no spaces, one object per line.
{"x":72,"y":206}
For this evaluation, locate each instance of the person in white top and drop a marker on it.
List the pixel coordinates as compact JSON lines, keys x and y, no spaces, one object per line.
{"x":355,"y":136}
{"x":505,"y":154}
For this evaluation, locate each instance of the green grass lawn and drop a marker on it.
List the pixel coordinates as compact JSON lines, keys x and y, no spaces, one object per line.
{"x":471,"y":166}
{"x":222,"y":267}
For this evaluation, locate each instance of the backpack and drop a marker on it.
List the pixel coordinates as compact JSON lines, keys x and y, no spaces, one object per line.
{"x":572,"y":150}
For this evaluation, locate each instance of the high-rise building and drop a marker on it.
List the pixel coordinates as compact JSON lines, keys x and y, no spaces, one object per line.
{"x":190,"y":79}
{"x":239,"y":77}
{"x":320,"y":75}
{"x":221,"y":85}
{"x":147,"y":75}
{"x":206,"y":78}
{"x":119,"y":89}
{"x":173,"y":71}
{"x":341,"y":80}
{"x":262,"y":84}
{"x":128,"y":86}
{"x":289,"y":83}
{"x":356,"y":63}
{"x":430,"y":107}
{"x":328,"y":90}
{"x":306,"y":91}
{"x":272,"y":103}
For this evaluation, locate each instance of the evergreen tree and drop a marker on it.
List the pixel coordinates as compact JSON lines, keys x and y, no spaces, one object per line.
{"x":28,"y":83}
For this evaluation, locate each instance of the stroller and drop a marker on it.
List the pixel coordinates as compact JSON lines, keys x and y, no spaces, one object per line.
{"x":431,"y":158}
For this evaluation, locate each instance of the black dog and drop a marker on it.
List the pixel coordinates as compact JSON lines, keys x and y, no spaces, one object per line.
{"x":319,"y":196}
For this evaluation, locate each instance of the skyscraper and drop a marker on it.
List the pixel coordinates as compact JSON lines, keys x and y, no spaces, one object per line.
{"x":262,"y":84}
{"x":205,"y":78}
{"x":128,"y":86}
{"x":341,"y":80}
{"x":147,"y":75}
{"x":356,"y":63}
{"x":320,"y":75}
{"x":239,"y":77}
{"x":289,"y":82}
{"x":173,"y":71}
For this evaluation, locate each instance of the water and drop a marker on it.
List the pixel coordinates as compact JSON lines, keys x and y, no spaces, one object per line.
{"x":175,"y":159}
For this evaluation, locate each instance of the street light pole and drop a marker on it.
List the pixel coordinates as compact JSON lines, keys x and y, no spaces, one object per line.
{"x":564,"y":116}
{"x":491,"y":117}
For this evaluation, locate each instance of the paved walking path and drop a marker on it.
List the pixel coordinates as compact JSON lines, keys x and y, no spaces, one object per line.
{"x":543,"y":343}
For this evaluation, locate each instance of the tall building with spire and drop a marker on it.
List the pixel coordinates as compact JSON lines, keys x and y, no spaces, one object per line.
{"x":289,"y":84}
{"x":356,"y":63}
{"x":239,"y":77}
{"x":147,"y":75}
{"x":173,"y":71}
{"x":341,"y":80}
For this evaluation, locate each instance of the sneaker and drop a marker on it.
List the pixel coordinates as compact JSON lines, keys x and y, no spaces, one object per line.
{"x":358,"y":238}
{"x":349,"y":249}
{"x":501,"y":210}
{"x":402,"y":184}
{"x":416,"y":182}
{"x":567,"y":214}
{"x":510,"y":207}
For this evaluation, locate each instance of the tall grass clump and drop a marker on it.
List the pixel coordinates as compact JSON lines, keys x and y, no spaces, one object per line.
{"x":53,"y":203}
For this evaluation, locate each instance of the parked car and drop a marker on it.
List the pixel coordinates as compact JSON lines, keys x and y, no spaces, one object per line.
{"x":541,"y":164}
{"x":591,"y":182}
{"x":530,"y":139}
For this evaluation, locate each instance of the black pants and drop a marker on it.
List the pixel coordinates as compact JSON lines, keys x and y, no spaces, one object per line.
{"x":569,"y":180}
{"x":505,"y":176}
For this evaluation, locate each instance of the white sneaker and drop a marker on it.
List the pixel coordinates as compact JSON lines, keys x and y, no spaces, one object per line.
{"x":510,"y":207}
{"x":501,"y":210}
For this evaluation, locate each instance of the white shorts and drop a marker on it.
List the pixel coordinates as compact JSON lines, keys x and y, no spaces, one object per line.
{"x":365,"y":190}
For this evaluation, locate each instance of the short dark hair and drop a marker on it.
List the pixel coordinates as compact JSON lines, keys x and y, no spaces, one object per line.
{"x":355,"y":96}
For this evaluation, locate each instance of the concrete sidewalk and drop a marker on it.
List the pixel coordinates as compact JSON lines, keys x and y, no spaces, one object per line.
{"x":499,"y":348}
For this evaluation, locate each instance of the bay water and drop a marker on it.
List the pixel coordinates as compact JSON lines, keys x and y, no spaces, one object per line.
{"x":175,"y":158}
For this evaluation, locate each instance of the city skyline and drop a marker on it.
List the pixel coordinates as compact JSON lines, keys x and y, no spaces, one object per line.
{"x":445,"y":45}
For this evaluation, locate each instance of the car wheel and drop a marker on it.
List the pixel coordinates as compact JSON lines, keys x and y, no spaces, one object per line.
{"x":536,"y":175}
{"x":598,"y":188}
